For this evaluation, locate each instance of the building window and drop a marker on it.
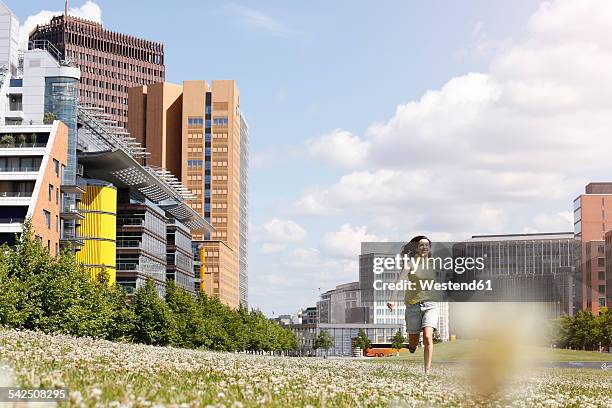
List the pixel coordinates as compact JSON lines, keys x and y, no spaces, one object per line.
{"x":50,"y":195}
{"x":57,"y":193}
{"x":56,"y":167}
{"x":220,"y":121}
{"x":600,"y":262}
{"x":601,"y":275}
{"x":602,"y":289}
{"x":195,"y":121}
{"x":47,"y":218}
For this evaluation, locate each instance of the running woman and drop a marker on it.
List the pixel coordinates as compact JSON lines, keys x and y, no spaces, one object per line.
{"x":421,"y":308}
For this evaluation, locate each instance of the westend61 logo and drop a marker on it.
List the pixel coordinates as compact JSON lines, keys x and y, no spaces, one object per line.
{"x":458,"y":265}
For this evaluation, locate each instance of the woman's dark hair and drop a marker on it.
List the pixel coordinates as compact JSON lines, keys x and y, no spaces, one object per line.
{"x":412,"y":246}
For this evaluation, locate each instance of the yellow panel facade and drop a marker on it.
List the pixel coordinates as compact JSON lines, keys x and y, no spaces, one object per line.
{"x":99,"y":230}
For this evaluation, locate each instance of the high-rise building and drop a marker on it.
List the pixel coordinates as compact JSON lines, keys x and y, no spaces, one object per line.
{"x":592,"y":219}
{"x":110,"y":62}
{"x":9,"y":42}
{"x":196,"y":130}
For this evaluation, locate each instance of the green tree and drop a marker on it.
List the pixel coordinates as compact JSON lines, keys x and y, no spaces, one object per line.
{"x":7,"y":140}
{"x":154,"y":323}
{"x":48,"y":118}
{"x":362,"y":340}
{"x":11,"y":293}
{"x":398,"y":341}
{"x":604,"y":321}
{"x":323,"y":341}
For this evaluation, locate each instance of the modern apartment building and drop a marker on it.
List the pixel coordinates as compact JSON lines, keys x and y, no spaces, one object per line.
{"x":592,"y":219}
{"x":31,"y":161}
{"x":75,"y":173}
{"x":196,"y":130}
{"x":110,"y":62}
{"x":36,"y":91}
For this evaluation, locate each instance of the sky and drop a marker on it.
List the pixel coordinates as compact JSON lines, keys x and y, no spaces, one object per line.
{"x":382,"y":121}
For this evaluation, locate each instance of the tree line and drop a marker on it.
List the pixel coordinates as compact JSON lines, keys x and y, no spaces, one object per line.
{"x":583,"y":331}
{"x":57,"y":295}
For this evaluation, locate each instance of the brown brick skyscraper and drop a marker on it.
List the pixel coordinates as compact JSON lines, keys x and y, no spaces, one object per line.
{"x":110,"y":62}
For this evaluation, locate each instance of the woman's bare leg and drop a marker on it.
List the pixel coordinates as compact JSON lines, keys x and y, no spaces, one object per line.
{"x":428,"y":343}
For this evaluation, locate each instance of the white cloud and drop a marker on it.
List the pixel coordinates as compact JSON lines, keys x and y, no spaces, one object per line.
{"x":490,"y":151}
{"x":559,"y":222}
{"x":89,"y":11}
{"x":282,"y":231}
{"x":275,"y":234}
{"x":346,"y":242}
{"x":338,"y":147}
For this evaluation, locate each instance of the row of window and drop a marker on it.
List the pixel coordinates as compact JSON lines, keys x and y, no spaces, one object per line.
{"x":96,"y":42}
{"x":113,"y":63}
{"x":198,"y":121}
{"x":103,"y":97}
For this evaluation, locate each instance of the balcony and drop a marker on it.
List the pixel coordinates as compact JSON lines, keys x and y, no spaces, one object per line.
{"x":70,"y":211}
{"x":71,"y":237}
{"x":130,"y":222}
{"x":15,"y":197}
{"x":11,"y":225}
{"x":132,"y":268}
{"x":129,"y":243}
{"x":18,"y":173}
{"x":19,"y":169}
{"x":76,"y":186}
{"x":18,"y":140}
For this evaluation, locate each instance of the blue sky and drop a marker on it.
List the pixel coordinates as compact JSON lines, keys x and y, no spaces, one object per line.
{"x":355,"y":106}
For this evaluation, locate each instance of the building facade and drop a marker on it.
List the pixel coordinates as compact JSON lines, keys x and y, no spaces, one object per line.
{"x":592,"y":219}
{"x":31,"y":161}
{"x":179,"y":255}
{"x":538,"y":268}
{"x":9,"y":42}
{"x":196,"y":129}
{"x":310,"y":315}
{"x":340,"y":305}
{"x":110,"y":62}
